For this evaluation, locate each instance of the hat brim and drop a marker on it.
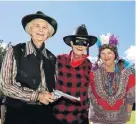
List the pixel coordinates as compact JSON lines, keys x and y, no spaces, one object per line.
{"x":26,"y":19}
{"x":91,"y":39}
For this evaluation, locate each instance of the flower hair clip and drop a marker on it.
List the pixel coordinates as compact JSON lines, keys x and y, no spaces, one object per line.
{"x":107,"y":39}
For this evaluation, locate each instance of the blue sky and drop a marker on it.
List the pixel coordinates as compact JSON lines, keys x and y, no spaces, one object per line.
{"x":99,"y":17}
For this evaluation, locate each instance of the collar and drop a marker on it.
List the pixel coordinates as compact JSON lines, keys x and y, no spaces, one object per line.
{"x":76,"y":62}
{"x":31,"y":50}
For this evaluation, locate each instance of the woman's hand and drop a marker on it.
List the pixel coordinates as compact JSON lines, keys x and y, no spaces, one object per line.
{"x":45,"y":98}
{"x":128,"y":116}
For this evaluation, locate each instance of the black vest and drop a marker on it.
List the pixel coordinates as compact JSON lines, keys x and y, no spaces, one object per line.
{"x":28,"y":71}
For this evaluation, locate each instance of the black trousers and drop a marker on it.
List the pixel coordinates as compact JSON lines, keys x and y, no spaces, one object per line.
{"x":30,"y":114}
{"x":86,"y":121}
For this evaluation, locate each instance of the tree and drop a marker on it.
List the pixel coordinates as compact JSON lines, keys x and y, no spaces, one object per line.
{"x":2,"y":52}
{"x":132,"y":68}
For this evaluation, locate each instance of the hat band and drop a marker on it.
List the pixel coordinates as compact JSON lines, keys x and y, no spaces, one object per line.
{"x":82,"y":38}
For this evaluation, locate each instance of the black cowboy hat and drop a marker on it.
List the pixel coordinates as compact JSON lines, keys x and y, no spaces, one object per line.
{"x":26,"y":19}
{"x":80,"y":33}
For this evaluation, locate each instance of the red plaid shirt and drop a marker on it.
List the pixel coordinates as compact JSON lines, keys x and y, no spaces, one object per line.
{"x":73,"y":81}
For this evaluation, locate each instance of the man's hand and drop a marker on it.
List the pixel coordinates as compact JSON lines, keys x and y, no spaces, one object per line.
{"x":45,"y":98}
{"x":129,"y":110}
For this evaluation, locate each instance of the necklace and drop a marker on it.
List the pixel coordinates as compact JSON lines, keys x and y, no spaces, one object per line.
{"x":111,"y":82}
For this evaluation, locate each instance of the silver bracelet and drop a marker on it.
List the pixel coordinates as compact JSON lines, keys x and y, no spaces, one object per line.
{"x":129,"y":113}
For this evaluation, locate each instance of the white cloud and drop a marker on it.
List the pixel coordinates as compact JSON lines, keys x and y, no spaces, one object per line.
{"x":130,"y":53}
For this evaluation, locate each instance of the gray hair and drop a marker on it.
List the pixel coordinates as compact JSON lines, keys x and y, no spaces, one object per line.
{"x":28,"y":26}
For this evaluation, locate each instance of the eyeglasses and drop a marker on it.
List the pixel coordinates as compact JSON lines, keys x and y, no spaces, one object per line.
{"x":80,"y":43}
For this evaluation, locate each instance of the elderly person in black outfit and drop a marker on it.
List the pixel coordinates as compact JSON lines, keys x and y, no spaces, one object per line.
{"x":27,"y":74}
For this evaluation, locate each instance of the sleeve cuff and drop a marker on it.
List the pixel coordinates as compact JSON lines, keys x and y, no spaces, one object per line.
{"x":34,"y":96}
{"x":131,"y":101}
